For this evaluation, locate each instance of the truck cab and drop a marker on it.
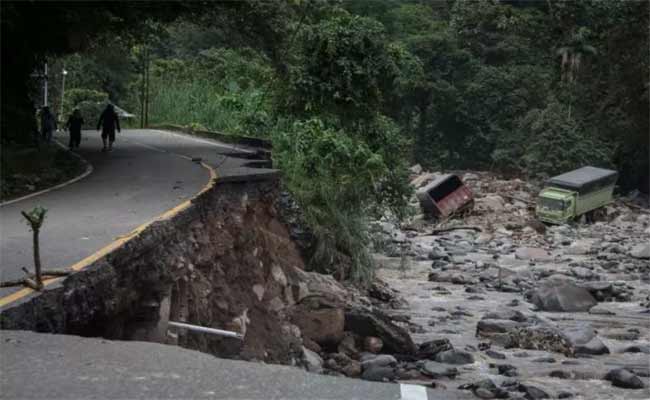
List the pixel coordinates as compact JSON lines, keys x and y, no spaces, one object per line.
{"x":555,"y":206}
{"x":568,"y":196}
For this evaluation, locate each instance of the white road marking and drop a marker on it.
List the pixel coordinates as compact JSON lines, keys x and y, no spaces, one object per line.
{"x":413,"y":392}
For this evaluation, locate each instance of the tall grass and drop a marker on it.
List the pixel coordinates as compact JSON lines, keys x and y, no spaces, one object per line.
{"x":206,"y":104}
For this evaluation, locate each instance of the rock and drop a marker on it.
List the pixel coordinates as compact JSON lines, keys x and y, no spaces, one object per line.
{"x":549,"y":360}
{"x":491,"y":202}
{"x":637,"y":348}
{"x":428,"y":350}
{"x":488,"y":327}
{"x":496,"y":355}
{"x":562,"y":297}
{"x":364,"y":322}
{"x":324,"y":326}
{"x":512,"y":315}
{"x":456,"y":357}
{"x":532,"y":392}
{"x":507,"y":370}
{"x":347,"y":346}
{"x":373,"y":344}
{"x":584,"y":340}
{"x":353,"y":369}
{"x":485,"y":389}
{"x":311,"y":345}
{"x":436,"y":370}
{"x":382,"y":360}
{"x":623,"y":378}
{"x":641,"y":251}
{"x":313,"y":361}
{"x":532,"y":253}
{"x":379,"y":374}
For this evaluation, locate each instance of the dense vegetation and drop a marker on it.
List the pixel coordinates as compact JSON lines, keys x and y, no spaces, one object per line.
{"x":351,"y":92}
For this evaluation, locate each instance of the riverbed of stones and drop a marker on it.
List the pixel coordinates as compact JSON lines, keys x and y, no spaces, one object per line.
{"x":501,"y":306}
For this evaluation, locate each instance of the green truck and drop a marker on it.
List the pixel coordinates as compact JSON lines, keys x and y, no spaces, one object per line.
{"x":568,"y":196}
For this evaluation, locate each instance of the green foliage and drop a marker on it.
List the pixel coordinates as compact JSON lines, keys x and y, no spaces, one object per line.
{"x":558,"y":143}
{"x":333,"y":177}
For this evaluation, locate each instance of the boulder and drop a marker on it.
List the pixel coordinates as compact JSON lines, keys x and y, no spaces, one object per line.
{"x":313,"y":361}
{"x":373,"y":344}
{"x":532,"y":253}
{"x":562,"y":297}
{"x":533,"y":392}
{"x":379,"y":374}
{"x":436,"y":370}
{"x":641,"y":251}
{"x":584,"y":340}
{"x":365,"y":322}
{"x":491,"y":202}
{"x":456,"y":357}
{"x":623,"y":378}
{"x":324,"y":326}
{"x":381,"y":360}
{"x":428,"y":350}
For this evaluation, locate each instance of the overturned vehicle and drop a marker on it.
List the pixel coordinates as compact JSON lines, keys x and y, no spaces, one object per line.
{"x":445,"y":196}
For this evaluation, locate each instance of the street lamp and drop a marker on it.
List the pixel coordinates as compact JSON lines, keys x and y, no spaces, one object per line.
{"x":63,"y":73}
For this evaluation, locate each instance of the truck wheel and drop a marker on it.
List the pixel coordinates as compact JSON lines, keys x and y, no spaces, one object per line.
{"x":589,"y":216}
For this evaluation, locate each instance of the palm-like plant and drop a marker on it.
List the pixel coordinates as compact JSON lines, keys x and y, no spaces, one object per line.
{"x":573,"y":52}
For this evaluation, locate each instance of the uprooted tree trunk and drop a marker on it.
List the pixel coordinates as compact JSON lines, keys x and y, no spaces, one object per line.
{"x":35,"y":220}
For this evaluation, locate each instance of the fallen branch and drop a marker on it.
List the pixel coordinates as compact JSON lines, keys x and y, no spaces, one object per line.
{"x":30,"y":281}
{"x":454,"y":228}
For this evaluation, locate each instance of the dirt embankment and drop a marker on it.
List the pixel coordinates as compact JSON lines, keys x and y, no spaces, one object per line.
{"x":226,"y":262}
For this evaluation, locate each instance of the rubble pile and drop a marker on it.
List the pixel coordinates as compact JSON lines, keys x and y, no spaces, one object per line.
{"x":540,"y":310}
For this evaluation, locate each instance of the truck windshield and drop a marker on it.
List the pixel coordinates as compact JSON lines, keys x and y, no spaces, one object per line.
{"x":551,"y":204}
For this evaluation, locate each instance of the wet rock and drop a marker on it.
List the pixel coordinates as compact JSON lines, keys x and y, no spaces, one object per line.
{"x":562,"y":297}
{"x":436,"y":370}
{"x":313,"y":361}
{"x":637,"y":349}
{"x":373,"y":344}
{"x":378,"y":374}
{"x":584,"y":340}
{"x":428,"y":350}
{"x":364,"y":322}
{"x":381,"y":360}
{"x":488,"y":327}
{"x":507,"y":370}
{"x":549,"y":360}
{"x":512,"y":315}
{"x":565,"y":395}
{"x":496,"y":355}
{"x":641,"y":251}
{"x":532,"y":392}
{"x":532,"y":253}
{"x":623,"y":378}
{"x":485,"y":389}
{"x":456,"y":357}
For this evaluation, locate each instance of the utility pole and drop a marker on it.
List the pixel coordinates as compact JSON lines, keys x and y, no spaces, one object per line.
{"x":146,"y":93}
{"x":142,"y":99}
{"x":63,"y":73}
{"x":45,"y":86}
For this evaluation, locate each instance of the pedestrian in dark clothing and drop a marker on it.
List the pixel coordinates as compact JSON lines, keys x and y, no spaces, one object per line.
{"x":108,"y":121}
{"x":74,"y":124}
{"x":48,"y":124}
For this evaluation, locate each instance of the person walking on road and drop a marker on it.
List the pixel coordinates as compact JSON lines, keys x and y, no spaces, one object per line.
{"x":74,"y":124}
{"x":109,"y":122}
{"x":48,"y":124}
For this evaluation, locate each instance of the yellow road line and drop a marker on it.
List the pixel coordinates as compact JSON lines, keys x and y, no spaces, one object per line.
{"x":78,"y":266}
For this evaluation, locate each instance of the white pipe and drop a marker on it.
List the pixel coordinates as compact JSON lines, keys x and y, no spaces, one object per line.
{"x":204,"y":329}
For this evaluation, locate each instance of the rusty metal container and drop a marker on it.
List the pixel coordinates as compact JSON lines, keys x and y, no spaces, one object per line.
{"x":445,"y":195}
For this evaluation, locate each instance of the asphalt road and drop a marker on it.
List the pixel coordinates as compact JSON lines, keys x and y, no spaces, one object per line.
{"x":101,"y":369}
{"x":141,"y":178}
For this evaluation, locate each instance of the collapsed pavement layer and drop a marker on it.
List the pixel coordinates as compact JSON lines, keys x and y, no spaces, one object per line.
{"x":96,"y":368}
